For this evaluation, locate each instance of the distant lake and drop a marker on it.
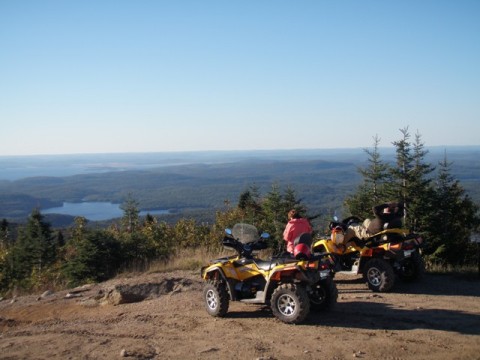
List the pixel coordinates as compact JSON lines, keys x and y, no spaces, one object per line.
{"x":95,"y":211}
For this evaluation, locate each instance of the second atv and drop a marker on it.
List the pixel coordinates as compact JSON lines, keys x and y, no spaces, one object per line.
{"x":380,"y":258}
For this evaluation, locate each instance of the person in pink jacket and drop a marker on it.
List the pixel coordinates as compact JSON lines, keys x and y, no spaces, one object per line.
{"x":296,"y":226}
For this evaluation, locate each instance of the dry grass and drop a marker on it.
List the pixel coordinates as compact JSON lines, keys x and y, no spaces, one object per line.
{"x":186,"y":259}
{"x":464,"y":271}
{"x":194,"y":259}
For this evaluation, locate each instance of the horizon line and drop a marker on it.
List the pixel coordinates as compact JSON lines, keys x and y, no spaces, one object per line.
{"x":224,"y":151}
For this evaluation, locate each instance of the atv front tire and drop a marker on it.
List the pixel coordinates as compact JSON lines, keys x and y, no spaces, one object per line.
{"x":216,"y":298}
{"x":324,"y":295}
{"x":379,"y":275}
{"x":290,"y":303}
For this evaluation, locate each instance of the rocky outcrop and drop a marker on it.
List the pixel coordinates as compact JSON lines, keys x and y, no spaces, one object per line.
{"x":129,"y":293}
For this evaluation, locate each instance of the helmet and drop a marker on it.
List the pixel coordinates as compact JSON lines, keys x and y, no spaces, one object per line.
{"x":301,"y":252}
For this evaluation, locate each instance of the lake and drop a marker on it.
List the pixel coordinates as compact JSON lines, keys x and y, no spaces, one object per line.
{"x":95,"y":211}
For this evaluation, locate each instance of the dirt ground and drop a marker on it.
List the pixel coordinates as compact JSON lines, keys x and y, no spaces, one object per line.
{"x":437,"y":318}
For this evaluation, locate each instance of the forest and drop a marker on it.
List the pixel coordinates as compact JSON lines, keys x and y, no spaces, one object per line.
{"x":210,"y":197}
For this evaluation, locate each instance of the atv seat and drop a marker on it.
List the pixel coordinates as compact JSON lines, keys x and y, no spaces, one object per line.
{"x":266,"y":265}
{"x":284,"y":258}
{"x":393,"y":223}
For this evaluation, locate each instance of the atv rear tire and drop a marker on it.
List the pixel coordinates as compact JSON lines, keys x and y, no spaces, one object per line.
{"x":412,"y":268}
{"x":216,"y":298}
{"x":324,"y":295}
{"x":379,"y":275}
{"x":290,"y":303}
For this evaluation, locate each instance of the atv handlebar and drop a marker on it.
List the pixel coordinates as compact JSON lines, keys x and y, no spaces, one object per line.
{"x":244,"y":249}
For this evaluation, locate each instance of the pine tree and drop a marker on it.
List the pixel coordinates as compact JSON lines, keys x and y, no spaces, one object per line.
{"x":451,"y":220}
{"x":5,"y":257}
{"x":5,"y":241}
{"x":94,"y":256}
{"x":275,"y":207}
{"x":420,"y":188}
{"x":275,"y":215}
{"x":35,"y":248}
{"x":401,"y":173}
{"x":372,"y":191}
{"x":134,"y":243}
{"x":411,"y":183}
{"x":248,"y":202}
{"x":130,"y":219}
{"x":290,"y":201}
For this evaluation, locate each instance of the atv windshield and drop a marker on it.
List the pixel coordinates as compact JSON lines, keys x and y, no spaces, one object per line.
{"x":245,"y":233}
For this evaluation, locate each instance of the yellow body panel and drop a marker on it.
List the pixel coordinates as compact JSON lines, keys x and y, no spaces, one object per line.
{"x":248,"y":271}
{"x":350,"y":247}
{"x":331,"y":247}
{"x":244,"y":272}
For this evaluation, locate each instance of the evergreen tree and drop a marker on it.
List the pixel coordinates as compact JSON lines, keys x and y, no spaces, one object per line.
{"x":451,"y":220}
{"x":134,"y":243}
{"x":275,"y":207}
{"x":60,"y":239}
{"x":130,"y":219}
{"x":410,"y":179}
{"x":401,"y":173}
{"x":35,"y":248}
{"x":5,"y":267}
{"x":248,"y":202}
{"x":420,"y":188}
{"x":290,"y":201}
{"x":5,"y":241}
{"x":93,"y":256}
{"x":275,"y":215}
{"x":372,"y":191}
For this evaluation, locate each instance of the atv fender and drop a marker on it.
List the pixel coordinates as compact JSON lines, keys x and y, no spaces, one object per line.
{"x":295,"y":273}
{"x":216,"y":273}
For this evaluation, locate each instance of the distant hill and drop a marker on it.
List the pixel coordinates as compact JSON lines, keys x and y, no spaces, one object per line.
{"x":197,"y":184}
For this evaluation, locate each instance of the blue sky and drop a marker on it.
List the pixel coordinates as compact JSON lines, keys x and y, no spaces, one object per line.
{"x":147,"y":76}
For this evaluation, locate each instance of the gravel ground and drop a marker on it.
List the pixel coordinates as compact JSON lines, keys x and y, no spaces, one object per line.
{"x":437,"y":318}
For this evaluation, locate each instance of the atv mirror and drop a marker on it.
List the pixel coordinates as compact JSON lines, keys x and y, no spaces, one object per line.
{"x":228,"y":231}
{"x":265,"y":235}
{"x":335,"y":218}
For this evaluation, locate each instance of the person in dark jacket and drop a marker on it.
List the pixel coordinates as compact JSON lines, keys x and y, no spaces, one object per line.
{"x":386,"y":215}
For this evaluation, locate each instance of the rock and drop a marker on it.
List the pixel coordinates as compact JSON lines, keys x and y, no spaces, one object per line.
{"x":70,"y":296}
{"x":124,"y":294}
{"x":80,"y":289}
{"x":209,"y":350}
{"x":139,"y":353}
{"x":89,"y":303}
{"x":45,"y":295}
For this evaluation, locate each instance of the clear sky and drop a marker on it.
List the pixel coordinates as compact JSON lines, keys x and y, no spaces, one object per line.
{"x":150,"y":75}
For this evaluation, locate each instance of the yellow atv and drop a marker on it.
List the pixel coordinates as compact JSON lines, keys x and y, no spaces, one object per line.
{"x":380,"y":258}
{"x":290,"y":286}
